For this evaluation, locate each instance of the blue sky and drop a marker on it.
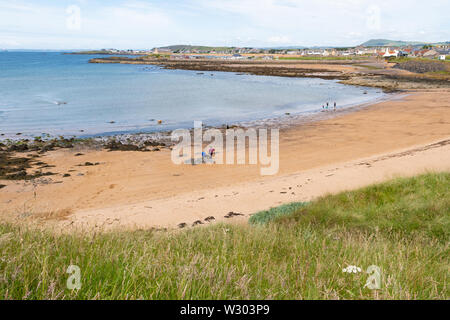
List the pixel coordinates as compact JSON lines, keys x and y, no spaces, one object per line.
{"x":139,"y":24}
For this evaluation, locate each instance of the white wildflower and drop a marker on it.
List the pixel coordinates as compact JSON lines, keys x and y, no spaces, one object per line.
{"x":351,"y":269}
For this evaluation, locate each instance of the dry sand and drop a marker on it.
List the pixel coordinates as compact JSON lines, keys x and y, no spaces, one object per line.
{"x":143,"y":190}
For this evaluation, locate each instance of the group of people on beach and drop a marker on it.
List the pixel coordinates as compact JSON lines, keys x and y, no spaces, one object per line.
{"x":327,"y":105}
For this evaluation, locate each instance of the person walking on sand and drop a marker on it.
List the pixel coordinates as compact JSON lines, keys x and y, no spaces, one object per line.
{"x":334,"y":105}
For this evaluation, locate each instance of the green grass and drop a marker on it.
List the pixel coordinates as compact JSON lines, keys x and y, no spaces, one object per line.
{"x":296,"y":251}
{"x":323,"y":58}
{"x":265,"y":217}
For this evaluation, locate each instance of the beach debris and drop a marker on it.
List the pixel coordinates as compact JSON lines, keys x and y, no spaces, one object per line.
{"x":196,"y":223}
{"x":89,"y":164}
{"x":209,"y":219}
{"x":232,"y":214}
{"x":182,"y":225}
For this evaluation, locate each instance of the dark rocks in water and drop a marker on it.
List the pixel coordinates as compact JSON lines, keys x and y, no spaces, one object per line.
{"x":112,"y":122}
{"x":59,"y":103}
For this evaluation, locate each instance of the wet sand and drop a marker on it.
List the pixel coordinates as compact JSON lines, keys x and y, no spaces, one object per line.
{"x":144,"y":190}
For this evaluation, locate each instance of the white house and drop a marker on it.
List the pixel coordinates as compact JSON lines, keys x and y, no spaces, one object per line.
{"x":442,"y":57}
{"x":390,"y":53}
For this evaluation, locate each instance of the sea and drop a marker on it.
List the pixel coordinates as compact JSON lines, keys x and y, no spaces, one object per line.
{"x":60,"y":94}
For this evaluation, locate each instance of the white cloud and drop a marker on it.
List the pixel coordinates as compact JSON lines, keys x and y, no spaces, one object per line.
{"x":279,"y":40}
{"x":144,"y":24}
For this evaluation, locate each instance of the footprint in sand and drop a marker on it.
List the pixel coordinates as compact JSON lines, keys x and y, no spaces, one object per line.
{"x":209,"y":219}
{"x":196,"y":223}
{"x":182,"y":225}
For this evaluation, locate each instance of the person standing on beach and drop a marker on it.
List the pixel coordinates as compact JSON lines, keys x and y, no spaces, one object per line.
{"x":335,"y":106}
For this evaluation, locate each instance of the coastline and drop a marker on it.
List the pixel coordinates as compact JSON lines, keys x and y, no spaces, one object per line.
{"x":369,"y":73}
{"x":119,"y":181}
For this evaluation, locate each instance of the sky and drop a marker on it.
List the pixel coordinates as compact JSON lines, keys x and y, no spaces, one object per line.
{"x":145,"y":24}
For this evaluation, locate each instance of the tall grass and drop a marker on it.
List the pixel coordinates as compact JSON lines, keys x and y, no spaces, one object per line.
{"x":401,"y":226}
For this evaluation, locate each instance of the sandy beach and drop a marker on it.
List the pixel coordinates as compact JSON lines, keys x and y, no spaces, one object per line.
{"x":403,"y":136}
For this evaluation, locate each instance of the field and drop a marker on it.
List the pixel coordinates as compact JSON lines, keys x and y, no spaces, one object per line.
{"x":297,"y":251}
{"x":325,"y":58}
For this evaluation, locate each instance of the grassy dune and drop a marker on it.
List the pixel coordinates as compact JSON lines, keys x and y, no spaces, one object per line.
{"x":294,"y":252}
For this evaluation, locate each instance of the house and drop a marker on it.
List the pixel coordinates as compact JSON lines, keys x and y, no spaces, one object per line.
{"x":442,"y":57}
{"x":431,"y":54}
{"x":388,"y":53}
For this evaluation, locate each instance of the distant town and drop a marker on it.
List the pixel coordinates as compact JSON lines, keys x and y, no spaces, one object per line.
{"x":372,"y":48}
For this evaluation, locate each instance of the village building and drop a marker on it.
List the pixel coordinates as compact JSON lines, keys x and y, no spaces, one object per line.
{"x":390,"y":53}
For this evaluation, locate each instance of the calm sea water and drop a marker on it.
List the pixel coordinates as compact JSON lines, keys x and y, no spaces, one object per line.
{"x":43,"y":92}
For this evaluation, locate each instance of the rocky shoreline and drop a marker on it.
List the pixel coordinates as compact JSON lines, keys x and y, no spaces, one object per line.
{"x":389,"y":79}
